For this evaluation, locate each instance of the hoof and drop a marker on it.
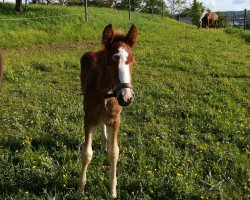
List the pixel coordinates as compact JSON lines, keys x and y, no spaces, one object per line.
{"x":80,"y":188}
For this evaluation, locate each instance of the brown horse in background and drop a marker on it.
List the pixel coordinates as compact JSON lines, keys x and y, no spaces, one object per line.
{"x":1,"y":68}
{"x":208,"y":20}
{"x":106,"y":84}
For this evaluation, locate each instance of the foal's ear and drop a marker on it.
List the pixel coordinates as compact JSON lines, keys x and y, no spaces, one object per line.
{"x":131,"y":37}
{"x":108,"y":35}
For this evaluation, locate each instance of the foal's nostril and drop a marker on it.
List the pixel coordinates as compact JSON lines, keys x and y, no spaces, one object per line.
{"x":131,"y":99}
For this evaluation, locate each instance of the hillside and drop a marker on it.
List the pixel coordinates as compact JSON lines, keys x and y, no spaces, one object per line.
{"x":185,"y":137}
{"x":230,"y":14}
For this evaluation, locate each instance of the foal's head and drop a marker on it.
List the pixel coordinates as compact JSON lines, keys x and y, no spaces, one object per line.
{"x":119,"y":61}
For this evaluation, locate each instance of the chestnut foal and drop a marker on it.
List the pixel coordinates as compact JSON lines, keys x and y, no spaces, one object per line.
{"x":106,"y":85}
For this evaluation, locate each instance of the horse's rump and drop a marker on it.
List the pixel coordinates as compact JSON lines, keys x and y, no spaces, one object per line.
{"x":213,"y":16}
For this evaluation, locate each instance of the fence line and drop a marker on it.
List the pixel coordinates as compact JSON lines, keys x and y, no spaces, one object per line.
{"x":86,"y":16}
{"x":30,"y":18}
{"x":238,"y":21}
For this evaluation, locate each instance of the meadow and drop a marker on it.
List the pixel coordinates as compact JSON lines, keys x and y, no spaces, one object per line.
{"x":185,"y":137}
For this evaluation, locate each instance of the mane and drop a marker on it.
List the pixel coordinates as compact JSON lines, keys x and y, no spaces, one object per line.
{"x":202,"y":15}
{"x":119,"y":36}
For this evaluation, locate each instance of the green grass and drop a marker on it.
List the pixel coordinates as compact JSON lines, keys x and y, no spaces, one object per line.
{"x":185,"y":137}
{"x":239,"y":32}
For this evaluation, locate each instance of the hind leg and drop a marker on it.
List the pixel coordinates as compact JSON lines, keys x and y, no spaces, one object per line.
{"x":215,"y":24}
{"x":86,"y":154}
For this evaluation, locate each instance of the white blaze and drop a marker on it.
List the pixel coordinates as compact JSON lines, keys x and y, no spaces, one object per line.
{"x":124,"y":74}
{"x":202,"y":15}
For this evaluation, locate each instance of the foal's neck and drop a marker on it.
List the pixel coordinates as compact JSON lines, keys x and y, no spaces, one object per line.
{"x":103,"y":82}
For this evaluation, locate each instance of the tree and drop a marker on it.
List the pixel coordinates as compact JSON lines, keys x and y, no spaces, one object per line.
{"x":196,"y":9}
{"x":223,"y":21}
{"x":176,"y":6}
{"x":154,"y":6}
{"x":187,"y":12}
{"x":18,"y":5}
{"x":135,"y":4}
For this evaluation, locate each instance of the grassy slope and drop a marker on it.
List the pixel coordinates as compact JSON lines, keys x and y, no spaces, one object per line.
{"x":185,"y":137}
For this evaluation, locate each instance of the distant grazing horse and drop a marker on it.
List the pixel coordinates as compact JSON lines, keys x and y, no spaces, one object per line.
{"x":208,"y":20}
{"x":1,"y":68}
{"x":106,"y":84}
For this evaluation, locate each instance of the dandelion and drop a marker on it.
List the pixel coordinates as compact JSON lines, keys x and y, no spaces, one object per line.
{"x":179,"y":174}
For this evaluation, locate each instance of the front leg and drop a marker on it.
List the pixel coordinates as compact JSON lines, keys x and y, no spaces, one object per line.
{"x":86,"y":154}
{"x":113,"y":154}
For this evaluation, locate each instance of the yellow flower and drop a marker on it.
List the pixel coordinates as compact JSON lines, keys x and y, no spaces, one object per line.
{"x":179,"y":174}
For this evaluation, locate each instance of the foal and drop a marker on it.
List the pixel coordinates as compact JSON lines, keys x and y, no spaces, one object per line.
{"x":106,"y":85}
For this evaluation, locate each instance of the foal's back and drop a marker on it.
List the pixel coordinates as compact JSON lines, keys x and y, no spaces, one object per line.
{"x":90,"y":62}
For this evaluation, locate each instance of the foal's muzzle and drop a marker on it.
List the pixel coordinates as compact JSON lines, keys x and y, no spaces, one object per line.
{"x":125,"y":97}
{"x":124,"y":94}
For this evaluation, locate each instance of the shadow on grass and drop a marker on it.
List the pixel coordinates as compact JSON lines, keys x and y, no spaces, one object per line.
{"x":7,"y":9}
